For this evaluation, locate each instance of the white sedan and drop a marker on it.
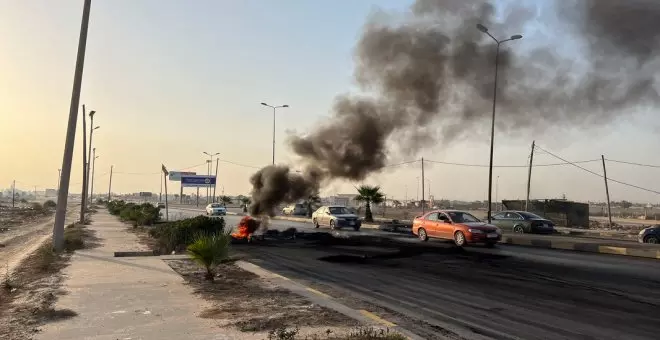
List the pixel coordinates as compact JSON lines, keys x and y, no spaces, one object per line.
{"x":216,"y":209}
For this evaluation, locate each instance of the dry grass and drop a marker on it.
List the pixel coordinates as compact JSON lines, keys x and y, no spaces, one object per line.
{"x":360,"y":333}
{"x":30,"y":292}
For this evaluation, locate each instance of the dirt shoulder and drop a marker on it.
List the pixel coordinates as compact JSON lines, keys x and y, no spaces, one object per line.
{"x":29,"y":292}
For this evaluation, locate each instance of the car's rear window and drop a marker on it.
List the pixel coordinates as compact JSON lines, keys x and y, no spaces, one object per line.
{"x":216,"y":205}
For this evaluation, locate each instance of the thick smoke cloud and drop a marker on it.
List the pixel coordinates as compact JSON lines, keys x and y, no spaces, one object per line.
{"x":427,"y":78}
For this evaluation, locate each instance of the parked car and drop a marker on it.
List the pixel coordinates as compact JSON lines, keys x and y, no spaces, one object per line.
{"x":522,"y":222}
{"x":336,"y":217}
{"x":160,"y":205}
{"x":650,"y":235}
{"x":460,"y":226}
{"x":294,"y":209}
{"x":216,"y":209}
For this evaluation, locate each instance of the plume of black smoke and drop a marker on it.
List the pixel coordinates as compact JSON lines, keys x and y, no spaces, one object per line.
{"x":433,"y":67}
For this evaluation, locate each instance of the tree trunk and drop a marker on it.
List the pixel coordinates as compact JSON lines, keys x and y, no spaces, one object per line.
{"x":368,"y":217}
{"x":309,"y":210}
{"x":209,"y":274}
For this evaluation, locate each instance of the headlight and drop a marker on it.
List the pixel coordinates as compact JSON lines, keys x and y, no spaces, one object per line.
{"x":476,"y":231}
{"x":641,"y":232}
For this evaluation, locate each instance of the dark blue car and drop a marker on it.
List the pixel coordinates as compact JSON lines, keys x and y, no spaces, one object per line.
{"x":650,"y":235}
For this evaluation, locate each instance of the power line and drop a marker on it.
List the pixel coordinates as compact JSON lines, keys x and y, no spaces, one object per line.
{"x":402,"y":163}
{"x":513,"y":166}
{"x":633,"y":163}
{"x":599,"y":175}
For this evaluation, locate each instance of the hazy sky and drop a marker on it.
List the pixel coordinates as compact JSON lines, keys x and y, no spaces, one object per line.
{"x":170,"y":79}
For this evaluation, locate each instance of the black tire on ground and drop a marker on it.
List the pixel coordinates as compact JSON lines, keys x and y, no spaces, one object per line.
{"x":316,"y":223}
{"x":356,"y":228}
{"x":651,"y":239}
{"x":459,"y":239}
{"x":421,"y":234}
{"x":518,"y":229}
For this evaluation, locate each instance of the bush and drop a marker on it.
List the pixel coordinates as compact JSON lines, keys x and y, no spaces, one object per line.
{"x":50,"y":204}
{"x":174,"y":235}
{"x":37,"y":207}
{"x":138,"y":214}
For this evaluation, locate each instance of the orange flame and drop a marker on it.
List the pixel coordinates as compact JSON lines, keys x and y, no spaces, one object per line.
{"x":246,"y":227}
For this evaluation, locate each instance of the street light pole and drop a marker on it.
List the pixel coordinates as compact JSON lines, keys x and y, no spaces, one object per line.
{"x":274,"y":109}
{"x":483,"y":29}
{"x":90,"y":158}
{"x":63,"y":195}
{"x":91,"y":191}
{"x":59,"y":178}
{"x":209,"y":167}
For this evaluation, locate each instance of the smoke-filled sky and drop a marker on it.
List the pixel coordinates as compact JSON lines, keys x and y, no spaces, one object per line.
{"x":169,"y":81}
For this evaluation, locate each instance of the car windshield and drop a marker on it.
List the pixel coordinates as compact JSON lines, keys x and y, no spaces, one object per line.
{"x":338,"y":210}
{"x":529,"y":216}
{"x":462,"y":217}
{"x":215,"y":206}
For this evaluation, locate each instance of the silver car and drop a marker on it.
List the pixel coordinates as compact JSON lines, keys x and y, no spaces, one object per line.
{"x":336,"y":217}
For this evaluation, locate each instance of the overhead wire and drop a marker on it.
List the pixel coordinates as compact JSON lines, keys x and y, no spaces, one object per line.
{"x":597,"y":174}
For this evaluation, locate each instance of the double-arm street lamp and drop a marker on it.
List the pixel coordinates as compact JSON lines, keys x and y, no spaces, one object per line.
{"x":210,"y":165}
{"x":274,"y":109}
{"x":483,"y":28}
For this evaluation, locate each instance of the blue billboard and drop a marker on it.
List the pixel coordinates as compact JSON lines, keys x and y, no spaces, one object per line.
{"x":196,"y":181}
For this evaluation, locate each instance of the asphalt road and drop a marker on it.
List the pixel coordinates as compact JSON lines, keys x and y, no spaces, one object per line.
{"x":504,"y":293}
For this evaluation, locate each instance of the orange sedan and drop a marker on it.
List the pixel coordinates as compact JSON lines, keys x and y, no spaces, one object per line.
{"x":460,"y":226}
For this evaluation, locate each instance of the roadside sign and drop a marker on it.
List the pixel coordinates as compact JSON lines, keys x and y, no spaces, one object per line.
{"x":176,"y":175}
{"x":197,"y":181}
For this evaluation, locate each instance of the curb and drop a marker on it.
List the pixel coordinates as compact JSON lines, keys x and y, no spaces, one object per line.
{"x":325,"y":300}
{"x":599,"y":248}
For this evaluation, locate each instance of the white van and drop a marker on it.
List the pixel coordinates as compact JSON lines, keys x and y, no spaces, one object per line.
{"x":295,"y":209}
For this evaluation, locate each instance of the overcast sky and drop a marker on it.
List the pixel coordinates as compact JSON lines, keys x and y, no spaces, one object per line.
{"x":170,"y":79}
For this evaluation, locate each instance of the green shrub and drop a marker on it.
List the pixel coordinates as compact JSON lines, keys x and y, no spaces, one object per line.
{"x":175,"y":234}
{"x":209,"y":250}
{"x":138,"y":214}
{"x":50,"y":204}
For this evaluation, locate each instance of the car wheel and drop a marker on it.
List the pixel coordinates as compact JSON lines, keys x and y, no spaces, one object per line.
{"x":356,"y":228}
{"x":459,"y":238}
{"x":316,"y":223}
{"x":651,"y":239}
{"x":518,"y":229}
{"x":332,"y":225}
{"x":421,"y":234}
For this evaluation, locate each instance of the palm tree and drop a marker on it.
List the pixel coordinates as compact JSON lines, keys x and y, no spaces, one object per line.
{"x":209,"y":250}
{"x":310,"y":202}
{"x":369,"y":194}
{"x":225,"y":200}
{"x":245,"y":201}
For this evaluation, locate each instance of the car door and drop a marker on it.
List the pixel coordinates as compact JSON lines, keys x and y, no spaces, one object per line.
{"x":430,"y":224}
{"x":445,"y":226}
{"x":500,"y":220}
{"x":515,"y":219}
{"x":325,"y":216}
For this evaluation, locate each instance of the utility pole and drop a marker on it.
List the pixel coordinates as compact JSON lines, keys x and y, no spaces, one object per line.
{"x":197,"y":196}
{"x":83,"y":194}
{"x":181,"y":194}
{"x":90,"y":158}
{"x":13,"y":194}
{"x":110,"y":185}
{"x":497,"y":189}
{"x":529,"y":175}
{"x":167,"y":212}
{"x":59,"y":178}
{"x":274,"y":107}
{"x":160,"y":195}
{"x":607,"y":191}
{"x":91,"y":191}
{"x":63,"y":195}
{"x":217,"y":161}
{"x":423,"y":201}
{"x":35,"y":192}
{"x":209,"y":163}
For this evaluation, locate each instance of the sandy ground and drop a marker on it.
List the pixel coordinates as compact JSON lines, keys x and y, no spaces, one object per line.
{"x":244,"y":302}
